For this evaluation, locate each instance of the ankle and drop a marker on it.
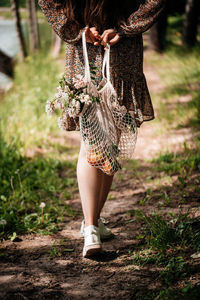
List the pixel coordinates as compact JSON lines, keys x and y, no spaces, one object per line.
{"x":98,"y":217}
{"x":91,"y":222}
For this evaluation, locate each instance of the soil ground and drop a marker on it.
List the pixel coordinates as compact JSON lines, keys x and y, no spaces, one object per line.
{"x":52,"y":267}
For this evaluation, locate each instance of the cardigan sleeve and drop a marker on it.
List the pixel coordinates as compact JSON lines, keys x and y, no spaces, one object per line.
{"x":68,"y":31}
{"x":142,"y":19}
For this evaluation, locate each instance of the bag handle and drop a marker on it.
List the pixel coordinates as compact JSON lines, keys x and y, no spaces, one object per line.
{"x":106,"y":61}
{"x":86,"y":60}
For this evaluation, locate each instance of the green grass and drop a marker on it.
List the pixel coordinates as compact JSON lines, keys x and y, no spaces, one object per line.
{"x":23,"y":108}
{"x":166,"y":246}
{"x":178,"y":105}
{"x":25,"y":184}
{"x":27,"y":176}
{"x":179,"y":231}
{"x":188,"y":292}
{"x":179,"y":163}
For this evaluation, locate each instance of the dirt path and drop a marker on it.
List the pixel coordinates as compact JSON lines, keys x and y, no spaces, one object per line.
{"x":52,"y":267}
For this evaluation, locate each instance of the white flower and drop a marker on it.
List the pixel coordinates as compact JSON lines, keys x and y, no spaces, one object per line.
{"x":50,"y":107}
{"x":73,"y":102}
{"x":79,"y":82}
{"x":3,"y":222}
{"x":59,"y":104}
{"x":62,"y":123}
{"x":85,"y":98}
{"x":59,"y":88}
{"x":58,"y":95}
{"x":67,"y":89}
{"x":78,"y":107}
{"x":74,"y":108}
{"x":65,"y":96}
{"x":72,"y":111}
{"x":42,"y":204}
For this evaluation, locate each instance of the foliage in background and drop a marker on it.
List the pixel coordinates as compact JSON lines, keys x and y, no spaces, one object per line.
{"x":179,"y":68}
{"x":6,"y":3}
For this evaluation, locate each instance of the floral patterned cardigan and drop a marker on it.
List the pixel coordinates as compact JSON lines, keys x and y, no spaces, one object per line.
{"x":126,"y":61}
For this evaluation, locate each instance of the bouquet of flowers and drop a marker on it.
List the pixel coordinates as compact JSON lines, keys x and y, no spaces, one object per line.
{"x":69,"y":101}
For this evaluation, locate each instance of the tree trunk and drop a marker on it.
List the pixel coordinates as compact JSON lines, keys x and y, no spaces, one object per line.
{"x":192,"y":11}
{"x":33,"y":26}
{"x":57,"y":42}
{"x":15,"y":9}
{"x":157,"y":33}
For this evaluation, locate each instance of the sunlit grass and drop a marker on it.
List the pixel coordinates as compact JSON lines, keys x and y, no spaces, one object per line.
{"x":46,"y":175}
{"x":178,"y":104}
{"x":23,"y":108}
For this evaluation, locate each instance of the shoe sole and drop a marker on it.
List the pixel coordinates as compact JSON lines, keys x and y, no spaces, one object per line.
{"x":92,"y":250}
{"x":103,"y":237}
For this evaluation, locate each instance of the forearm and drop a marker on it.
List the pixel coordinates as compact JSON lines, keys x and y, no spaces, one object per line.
{"x":142,"y":19}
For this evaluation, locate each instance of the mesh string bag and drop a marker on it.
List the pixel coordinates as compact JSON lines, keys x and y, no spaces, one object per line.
{"x":108,"y":130}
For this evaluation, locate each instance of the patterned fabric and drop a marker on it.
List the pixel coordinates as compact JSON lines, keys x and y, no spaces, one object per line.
{"x":126,"y":65}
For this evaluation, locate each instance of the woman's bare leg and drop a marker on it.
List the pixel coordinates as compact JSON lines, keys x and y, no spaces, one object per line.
{"x":94,"y":186}
{"x":106,"y":182}
{"x":89,"y":183}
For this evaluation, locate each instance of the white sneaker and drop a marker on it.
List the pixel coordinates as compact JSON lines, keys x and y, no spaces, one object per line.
{"x":92,"y":242}
{"x":105,"y":232}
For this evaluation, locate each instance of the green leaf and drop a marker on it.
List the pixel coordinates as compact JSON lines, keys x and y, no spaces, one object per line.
{"x":69,"y":250}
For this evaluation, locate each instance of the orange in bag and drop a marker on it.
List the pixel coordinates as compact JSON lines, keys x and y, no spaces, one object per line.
{"x":107,"y":167}
{"x":95,"y":158}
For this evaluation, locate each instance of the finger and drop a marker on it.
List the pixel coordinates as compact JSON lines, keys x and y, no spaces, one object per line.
{"x":93,"y":28}
{"x":88,"y":40}
{"x":86,"y":29}
{"x":114,"y":40}
{"x":102,"y":43}
{"x":96,"y":43}
{"x":94,"y":35}
{"x":90,"y":36}
{"x":97,"y":36}
{"x":87,"y":34}
{"x":103,"y":34}
{"x":105,"y":40}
